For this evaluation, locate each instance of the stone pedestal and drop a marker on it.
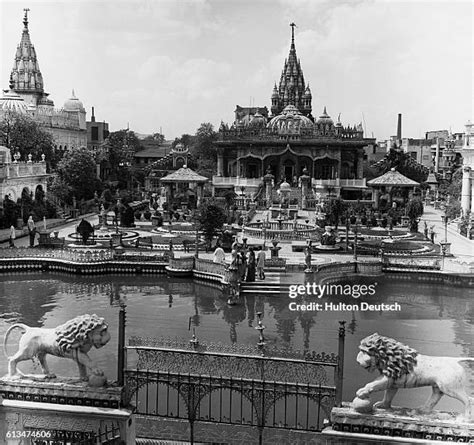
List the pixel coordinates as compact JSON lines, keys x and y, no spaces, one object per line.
{"x":397,"y":425}
{"x":63,"y":409}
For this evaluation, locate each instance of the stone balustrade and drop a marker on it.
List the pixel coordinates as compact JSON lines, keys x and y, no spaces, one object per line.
{"x":208,"y":266}
{"x":75,"y":256}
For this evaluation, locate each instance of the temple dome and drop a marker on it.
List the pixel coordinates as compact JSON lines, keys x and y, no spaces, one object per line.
{"x":325,"y":118}
{"x":290,"y":119}
{"x":258,"y":120}
{"x":285,"y":187}
{"x":12,"y":101}
{"x":73,"y":104}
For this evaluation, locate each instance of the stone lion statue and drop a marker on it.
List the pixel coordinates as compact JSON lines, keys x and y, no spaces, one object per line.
{"x":73,"y":339}
{"x":403,"y":367}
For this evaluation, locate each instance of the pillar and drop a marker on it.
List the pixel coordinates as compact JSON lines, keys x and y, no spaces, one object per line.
{"x":305,"y":181}
{"x":376,"y":198}
{"x":360,"y":165}
{"x":220,"y":163}
{"x":466,"y":192}
{"x":199,"y":194}
{"x":268,"y":181}
{"x":239,"y":166}
{"x":437,"y":156}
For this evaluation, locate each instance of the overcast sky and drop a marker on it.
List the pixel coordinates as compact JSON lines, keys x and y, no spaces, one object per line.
{"x":176,"y":64}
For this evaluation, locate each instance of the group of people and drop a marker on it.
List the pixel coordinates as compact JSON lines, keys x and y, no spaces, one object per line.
{"x":245,"y":259}
{"x":31,"y":232}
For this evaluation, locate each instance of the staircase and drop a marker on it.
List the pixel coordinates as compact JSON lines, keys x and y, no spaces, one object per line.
{"x":271,"y":286}
{"x":295,"y":193}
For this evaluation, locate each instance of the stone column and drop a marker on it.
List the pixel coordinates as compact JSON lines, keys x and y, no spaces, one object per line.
{"x":466,"y":192}
{"x":305,"y":187}
{"x":268,"y":180}
{"x":199,"y":194}
{"x":376,"y":198}
{"x":239,"y":166}
{"x":360,"y":165}
{"x":220,"y":163}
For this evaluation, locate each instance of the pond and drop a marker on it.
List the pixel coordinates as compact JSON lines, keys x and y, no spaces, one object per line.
{"x":434,"y":319}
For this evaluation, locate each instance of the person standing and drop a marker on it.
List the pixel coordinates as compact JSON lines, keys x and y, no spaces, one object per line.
{"x":251,"y":266}
{"x":31,"y":230}
{"x":261,"y":264}
{"x":12,"y":236}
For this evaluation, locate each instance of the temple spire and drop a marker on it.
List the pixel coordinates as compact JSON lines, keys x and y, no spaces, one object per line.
{"x":25,"y":18}
{"x":292,"y":89}
{"x":26,"y":74}
{"x":293,"y":26}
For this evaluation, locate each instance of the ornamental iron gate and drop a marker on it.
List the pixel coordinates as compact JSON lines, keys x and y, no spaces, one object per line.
{"x":243,"y":385}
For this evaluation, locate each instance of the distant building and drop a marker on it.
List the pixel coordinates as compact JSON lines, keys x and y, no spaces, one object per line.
{"x":27,"y":96}
{"x":97,"y":132}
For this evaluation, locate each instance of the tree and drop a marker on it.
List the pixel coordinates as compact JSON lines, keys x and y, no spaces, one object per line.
{"x":76,"y":175}
{"x":414,"y":211}
{"x":335,"y":209}
{"x":211,"y":219}
{"x":119,"y":150}
{"x":155,"y":137}
{"x":20,"y":133}
{"x":403,"y":163}
{"x":203,"y":149}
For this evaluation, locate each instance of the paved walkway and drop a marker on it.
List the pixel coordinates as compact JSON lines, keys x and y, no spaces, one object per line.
{"x":462,"y":248}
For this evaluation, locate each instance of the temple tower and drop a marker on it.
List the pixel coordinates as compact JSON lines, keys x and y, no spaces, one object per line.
{"x":291,"y":89}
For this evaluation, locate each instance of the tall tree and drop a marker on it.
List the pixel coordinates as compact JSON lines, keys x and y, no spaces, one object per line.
{"x":20,"y":133}
{"x":204,"y":151}
{"x":414,"y":211}
{"x":119,"y":150}
{"x":211,"y":218}
{"x":76,"y":175}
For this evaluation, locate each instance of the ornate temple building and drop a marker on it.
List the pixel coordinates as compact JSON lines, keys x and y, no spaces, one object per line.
{"x":27,"y":96}
{"x":290,"y":140}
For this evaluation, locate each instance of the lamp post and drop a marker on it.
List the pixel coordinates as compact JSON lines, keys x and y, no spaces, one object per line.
{"x":444,"y":220}
{"x":355,"y":242}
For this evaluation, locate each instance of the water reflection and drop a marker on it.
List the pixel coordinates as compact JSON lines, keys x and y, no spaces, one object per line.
{"x":435,"y":320}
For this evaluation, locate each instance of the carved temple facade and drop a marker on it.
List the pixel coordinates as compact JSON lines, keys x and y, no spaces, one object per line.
{"x":26,"y":96}
{"x":290,"y":140}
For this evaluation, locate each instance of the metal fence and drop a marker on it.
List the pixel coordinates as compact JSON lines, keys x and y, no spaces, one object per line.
{"x":243,"y":385}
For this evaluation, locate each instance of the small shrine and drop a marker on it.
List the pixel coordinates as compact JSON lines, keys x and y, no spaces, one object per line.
{"x":390,"y":183}
{"x":184,"y":186}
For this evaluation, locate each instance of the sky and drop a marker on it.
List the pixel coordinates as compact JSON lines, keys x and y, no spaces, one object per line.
{"x":175,"y":64}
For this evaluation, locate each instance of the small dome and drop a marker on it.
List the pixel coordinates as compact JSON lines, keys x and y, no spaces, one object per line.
{"x":275,"y":92}
{"x":284,"y":186}
{"x":73,"y":104}
{"x":258,"y":120}
{"x":13,"y":102}
{"x":179,"y":147}
{"x":290,"y":120}
{"x":325,"y":118}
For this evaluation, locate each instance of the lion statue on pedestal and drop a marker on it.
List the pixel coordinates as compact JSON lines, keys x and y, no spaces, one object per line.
{"x":73,"y":339}
{"x":403,"y":367}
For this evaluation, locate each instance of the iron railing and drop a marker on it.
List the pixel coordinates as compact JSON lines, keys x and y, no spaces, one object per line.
{"x":255,"y":386}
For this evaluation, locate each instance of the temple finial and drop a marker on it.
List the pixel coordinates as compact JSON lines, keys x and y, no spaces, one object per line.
{"x":25,"y":18}
{"x":293,"y":26}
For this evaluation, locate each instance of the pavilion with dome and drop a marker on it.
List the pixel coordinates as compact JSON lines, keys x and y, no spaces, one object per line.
{"x":290,"y":140}
{"x":26,"y":95}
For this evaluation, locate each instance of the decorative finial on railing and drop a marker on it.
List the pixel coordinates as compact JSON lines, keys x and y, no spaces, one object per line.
{"x":260,"y":328}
